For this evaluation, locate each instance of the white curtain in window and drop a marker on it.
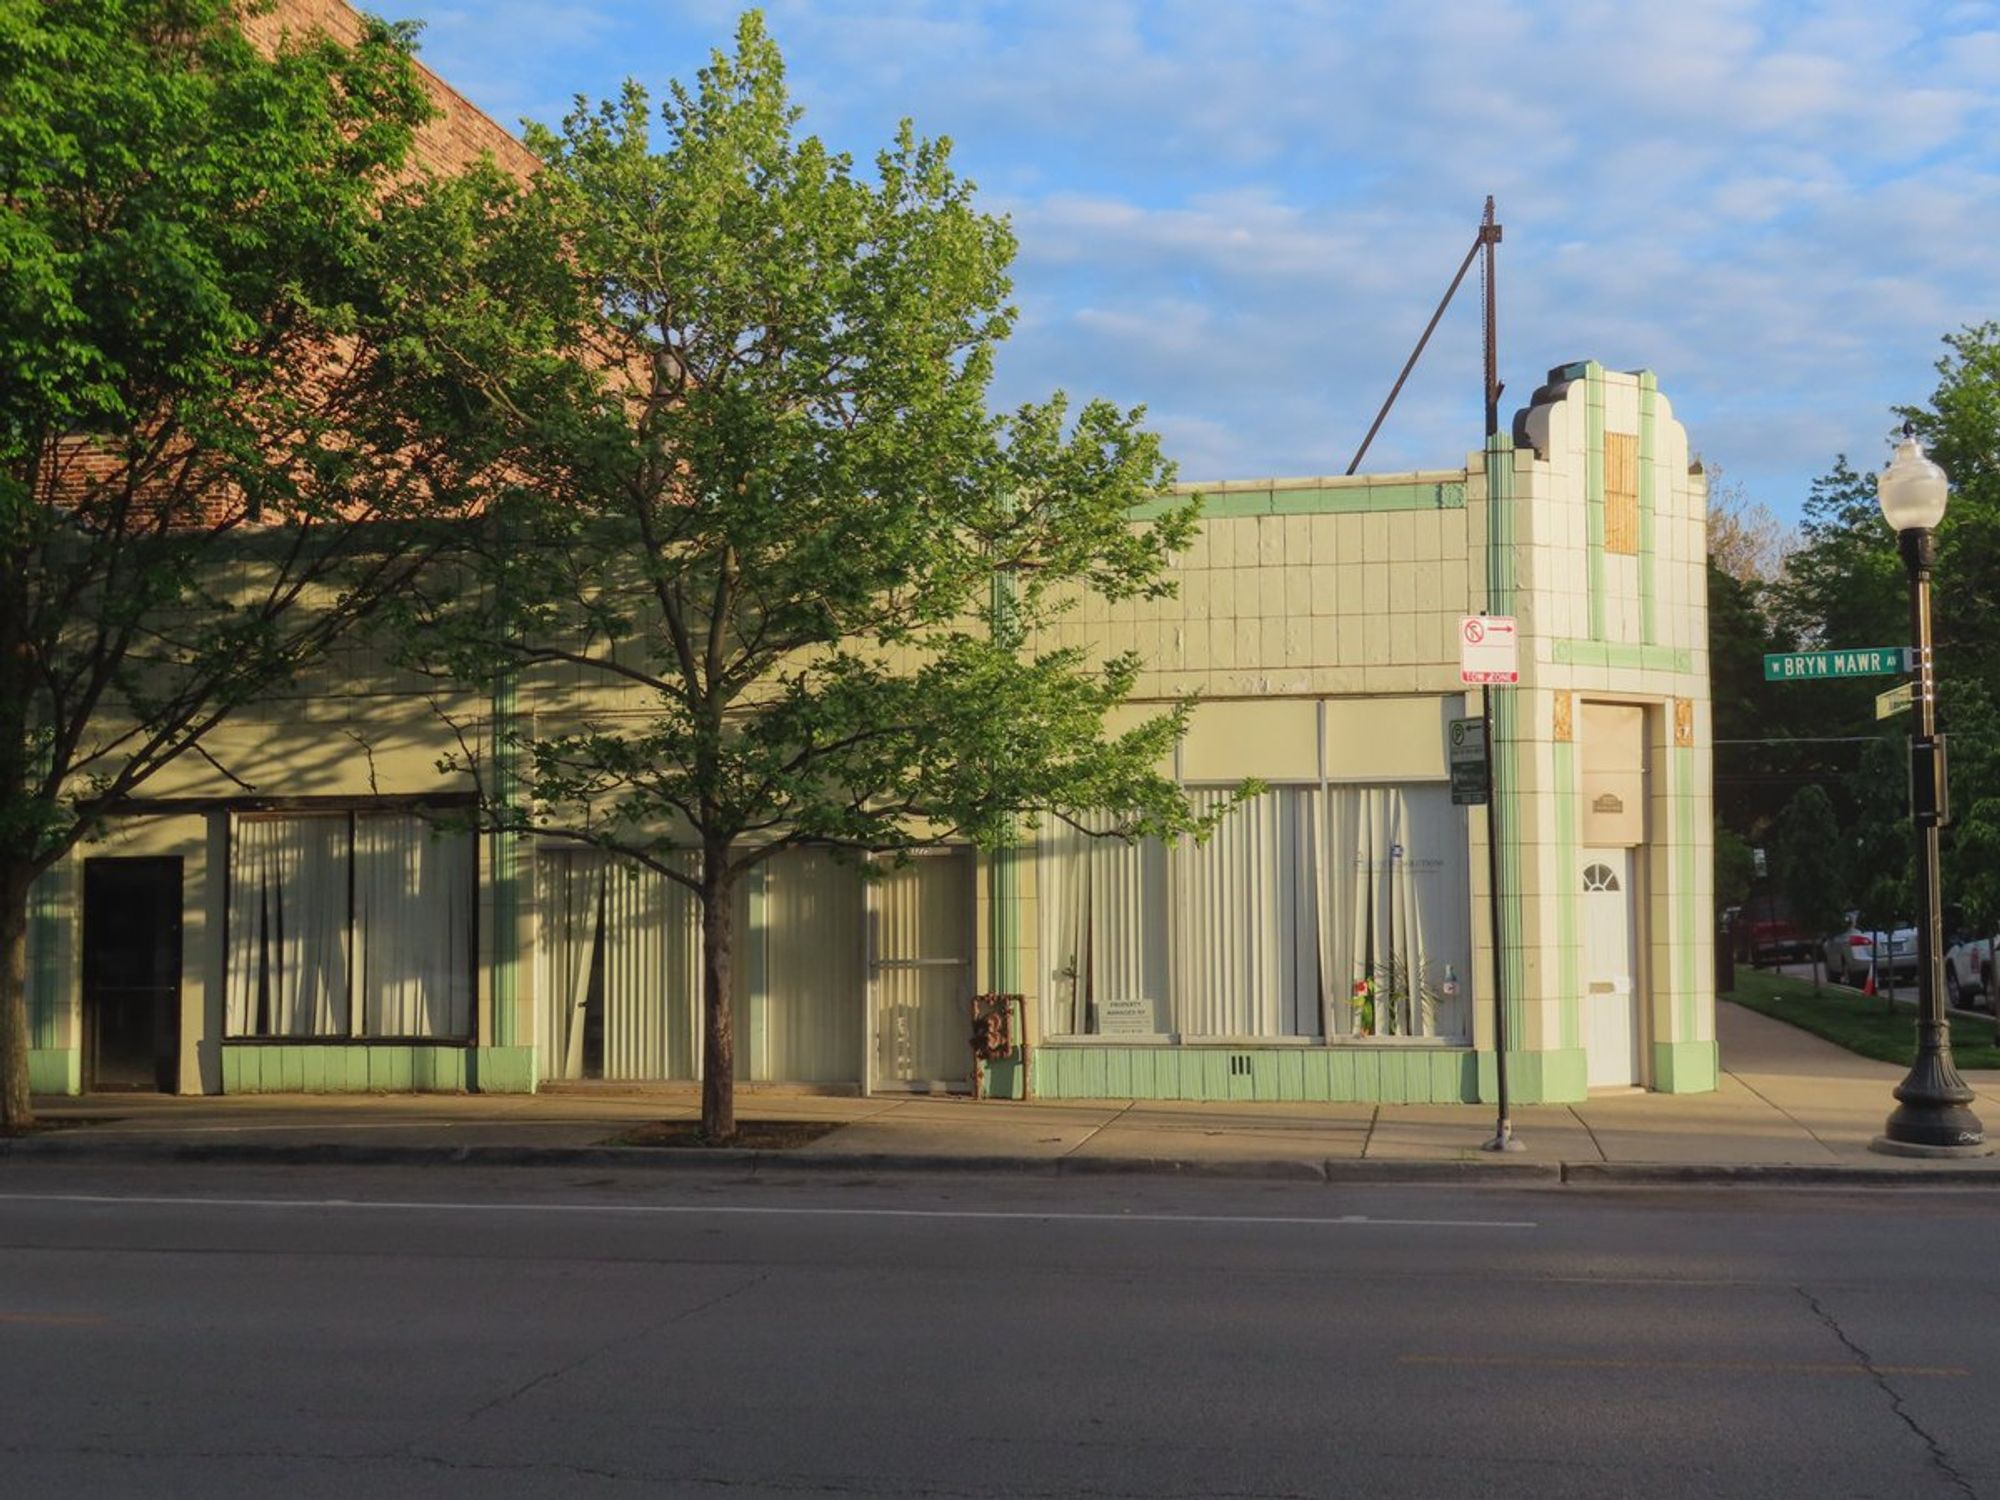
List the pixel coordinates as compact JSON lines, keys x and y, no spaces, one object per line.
{"x":1397,"y":908}
{"x":1246,"y":940}
{"x":571,"y":893}
{"x":288,"y":910}
{"x":413,"y":927}
{"x":815,"y":979}
{"x":652,"y":974}
{"x":1103,"y":903}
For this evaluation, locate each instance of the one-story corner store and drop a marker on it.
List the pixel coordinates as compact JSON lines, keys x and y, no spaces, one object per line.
{"x":319,"y":935}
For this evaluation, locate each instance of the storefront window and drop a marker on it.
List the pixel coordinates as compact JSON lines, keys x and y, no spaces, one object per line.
{"x":1312,"y":912}
{"x":349,"y":925}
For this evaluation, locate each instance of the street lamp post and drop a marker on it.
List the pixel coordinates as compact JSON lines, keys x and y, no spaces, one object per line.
{"x":1932,"y":1117}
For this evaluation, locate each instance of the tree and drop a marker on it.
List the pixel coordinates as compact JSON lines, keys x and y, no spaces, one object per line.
{"x":1745,"y":540}
{"x":1879,"y":854}
{"x":763,"y":497}
{"x":1972,"y":839}
{"x":198,"y":445}
{"x":1735,"y":868}
{"x":1961,"y":428}
{"x":1808,"y":865}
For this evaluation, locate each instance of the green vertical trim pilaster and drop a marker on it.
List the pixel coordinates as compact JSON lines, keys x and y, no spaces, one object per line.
{"x":1686,"y":977}
{"x":756,"y":1062}
{"x":1515,"y":815}
{"x":1593,"y":493}
{"x":1500,"y":579}
{"x":503,"y":851}
{"x":1568,"y":967}
{"x":1684,"y":1067}
{"x":1649,"y":390}
{"x":48,"y":933}
{"x":1003,"y":920}
{"x":1003,"y":894}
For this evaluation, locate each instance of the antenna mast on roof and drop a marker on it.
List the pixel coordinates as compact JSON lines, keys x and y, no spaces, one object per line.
{"x":1488,"y":239}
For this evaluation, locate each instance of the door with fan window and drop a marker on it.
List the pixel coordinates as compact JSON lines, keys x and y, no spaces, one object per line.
{"x":1612,"y":1032}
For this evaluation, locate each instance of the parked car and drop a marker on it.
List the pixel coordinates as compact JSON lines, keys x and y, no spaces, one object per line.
{"x":1766,"y":933}
{"x":1852,"y":953}
{"x":1968,"y":972}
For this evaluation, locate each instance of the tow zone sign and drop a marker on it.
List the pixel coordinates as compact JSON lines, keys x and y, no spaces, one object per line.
{"x":1488,"y":649}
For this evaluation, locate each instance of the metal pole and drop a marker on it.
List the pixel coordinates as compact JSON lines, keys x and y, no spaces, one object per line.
{"x":1503,"y":1127}
{"x":1489,"y":237}
{"x":1931,"y":1116}
{"x":1417,"y":353}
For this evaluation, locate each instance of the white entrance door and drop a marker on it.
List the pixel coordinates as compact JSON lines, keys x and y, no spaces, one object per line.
{"x":921,"y":925}
{"x":1611,"y":1029}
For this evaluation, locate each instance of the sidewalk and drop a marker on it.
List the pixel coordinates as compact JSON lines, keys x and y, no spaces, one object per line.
{"x":1790,"y":1107}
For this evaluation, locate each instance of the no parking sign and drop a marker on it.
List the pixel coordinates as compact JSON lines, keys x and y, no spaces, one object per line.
{"x":1488,"y":649}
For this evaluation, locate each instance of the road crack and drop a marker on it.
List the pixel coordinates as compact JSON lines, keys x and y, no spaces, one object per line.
{"x":646,"y":1331}
{"x":1939,"y":1457}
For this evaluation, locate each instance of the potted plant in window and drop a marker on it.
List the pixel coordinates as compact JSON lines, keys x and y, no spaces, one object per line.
{"x":1406,"y":999}
{"x":1363,"y":1003}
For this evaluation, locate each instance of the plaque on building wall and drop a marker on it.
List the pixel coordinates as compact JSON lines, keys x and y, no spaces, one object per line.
{"x":1614,"y":808}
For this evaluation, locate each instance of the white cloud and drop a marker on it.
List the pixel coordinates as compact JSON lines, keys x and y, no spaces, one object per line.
{"x":1243,"y":214}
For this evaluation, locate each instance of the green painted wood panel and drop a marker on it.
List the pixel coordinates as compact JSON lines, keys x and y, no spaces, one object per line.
{"x":1095,"y":1074}
{"x":1212,"y":1081}
{"x":1402,"y":1075}
{"x":1144,"y":1065}
{"x":1292,"y":1075}
{"x":1118,"y":1074}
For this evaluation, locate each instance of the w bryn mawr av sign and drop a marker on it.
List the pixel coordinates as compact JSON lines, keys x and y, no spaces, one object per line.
{"x":1861,"y":661}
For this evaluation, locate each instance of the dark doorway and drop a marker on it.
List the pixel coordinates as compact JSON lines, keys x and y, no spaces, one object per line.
{"x":131,"y":974}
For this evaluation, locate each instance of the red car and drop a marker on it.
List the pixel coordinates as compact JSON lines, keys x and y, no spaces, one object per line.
{"x":1765,"y":932}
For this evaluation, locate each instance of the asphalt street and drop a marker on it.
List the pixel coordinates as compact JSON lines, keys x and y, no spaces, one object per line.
{"x":221,"y":1331}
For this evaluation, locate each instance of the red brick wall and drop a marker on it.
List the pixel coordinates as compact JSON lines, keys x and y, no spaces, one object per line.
{"x":452,"y":141}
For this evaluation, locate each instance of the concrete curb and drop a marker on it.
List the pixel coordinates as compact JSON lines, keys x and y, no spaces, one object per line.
{"x":1378,"y":1172}
{"x":1753,"y":1174}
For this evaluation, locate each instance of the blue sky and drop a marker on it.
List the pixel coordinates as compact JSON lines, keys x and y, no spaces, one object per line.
{"x":1241,"y":214}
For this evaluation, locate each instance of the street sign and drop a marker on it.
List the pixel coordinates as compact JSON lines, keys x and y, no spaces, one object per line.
{"x":1465,"y":753}
{"x":1893,"y":702}
{"x":1860,"y":661}
{"x":1488,"y":649}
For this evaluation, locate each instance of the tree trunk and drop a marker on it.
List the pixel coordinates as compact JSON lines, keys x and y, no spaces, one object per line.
{"x":15,"y":1111}
{"x":718,"y":1053}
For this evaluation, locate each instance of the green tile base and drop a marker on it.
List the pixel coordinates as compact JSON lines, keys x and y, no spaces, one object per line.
{"x":1684,"y":1067}
{"x":55,"y":1070}
{"x":1005,"y":1080}
{"x":1557,"y":1077}
{"x":395,"y":1068}
{"x":343,"y":1068}
{"x":1392,"y":1075}
{"x":501,"y":1070}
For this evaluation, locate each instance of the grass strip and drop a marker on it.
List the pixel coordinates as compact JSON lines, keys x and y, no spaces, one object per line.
{"x":1862,"y":1024}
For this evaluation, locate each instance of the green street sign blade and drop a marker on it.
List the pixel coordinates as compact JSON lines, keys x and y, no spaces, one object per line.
{"x":1815,"y":666}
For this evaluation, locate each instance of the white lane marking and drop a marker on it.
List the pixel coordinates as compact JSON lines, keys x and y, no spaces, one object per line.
{"x":767,"y":1211}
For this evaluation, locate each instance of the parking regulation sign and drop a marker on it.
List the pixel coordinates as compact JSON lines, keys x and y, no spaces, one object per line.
{"x":1465,"y":753}
{"x":1488,"y":649}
